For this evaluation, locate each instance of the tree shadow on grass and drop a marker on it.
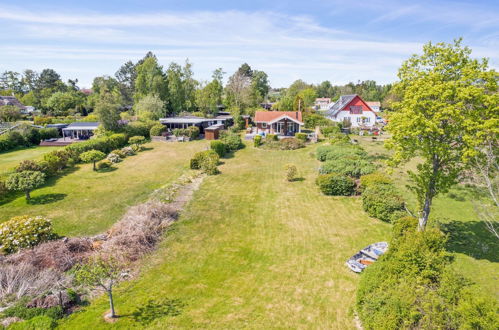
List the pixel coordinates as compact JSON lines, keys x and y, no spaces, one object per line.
{"x":471,"y":238}
{"x":300,"y":179}
{"x":157,"y":309}
{"x":46,"y":199}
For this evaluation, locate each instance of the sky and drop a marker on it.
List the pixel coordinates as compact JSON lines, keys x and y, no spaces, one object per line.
{"x":314,"y":40}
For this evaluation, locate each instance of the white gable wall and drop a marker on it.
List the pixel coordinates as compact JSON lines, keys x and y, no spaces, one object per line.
{"x":356,"y":119}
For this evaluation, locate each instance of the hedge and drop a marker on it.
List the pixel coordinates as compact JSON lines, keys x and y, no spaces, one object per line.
{"x":271,"y":137}
{"x":335,"y":184}
{"x":372,"y":179}
{"x":354,"y":167}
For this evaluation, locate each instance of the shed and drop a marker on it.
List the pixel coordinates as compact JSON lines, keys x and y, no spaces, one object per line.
{"x":212,"y":132}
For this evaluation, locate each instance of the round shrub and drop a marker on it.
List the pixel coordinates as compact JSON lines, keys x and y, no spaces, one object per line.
{"x":92,"y":156}
{"x":328,"y":131}
{"x":301,"y":136}
{"x":383,"y":202}
{"x":376,"y":178}
{"x":119,"y":152}
{"x":24,"y":232}
{"x":137,"y":140}
{"x":219,"y":147}
{"x":232,"y":141}
{"x":335,"y":184}
{"x":206,"y":161}
{"x":157,"y":130}
{"x":291,"y":172}
{"x":192,"y":132}
{"x":137,"y":128}
{"x":257,"y":140}
{"x":103,"y":164}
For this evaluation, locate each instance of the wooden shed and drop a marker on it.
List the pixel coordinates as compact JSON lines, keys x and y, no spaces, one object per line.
{"x":212,"y":132}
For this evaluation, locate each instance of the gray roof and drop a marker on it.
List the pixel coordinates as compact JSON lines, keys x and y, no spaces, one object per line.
{"x":183,"y":120}
{"x":340,"y":104}
{"x":83,"y":126}
{"x":11,"y":100}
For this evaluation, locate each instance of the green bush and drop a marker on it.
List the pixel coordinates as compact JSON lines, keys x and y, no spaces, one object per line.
{"x":49,"y":133}
{"x":232,"y":141}
{"x":355,"y":167}
{"x":271,"y":137}
{"x":127,"y":151}
{"x":206,"y":161}
{"x":180,"y":132}
{"x":157,"y":130}
{"x":119,"y":152}
{"x":284,"y":144}
{"x":103,"y":164}
{"x":28,"y":165}
{"x":114,"y":158}
{"x":32,"y":136}
{"x":291,"y":172}
{"x":414,"y":286}
{"x":24,"y":232}
{"x":137,"y":140}
{"x":372,"y":179}
{"x":301,"y":136}
{"x":219,"y":147}
{"x":329,"y":131}
{"x":36,"y":323}
{"x":335,"y":184}
{"x":17,"y":139}
{"x":312,"y":120}
{"x":192,"y":132}
{"x":257,"y":140}
{"x":138,"y":128}
{"x":383,"y":201}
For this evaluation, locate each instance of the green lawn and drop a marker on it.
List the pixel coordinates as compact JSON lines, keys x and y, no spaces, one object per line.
{"x":9,"y":160}
{"x":84,"y":202}
{"x":251,"y":250}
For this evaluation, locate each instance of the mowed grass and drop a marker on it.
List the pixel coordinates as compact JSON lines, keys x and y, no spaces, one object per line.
{"x":9,"y":160}
{"x":251,"y":251}
{"x":85,"y":202}
{"x":475,"y":249}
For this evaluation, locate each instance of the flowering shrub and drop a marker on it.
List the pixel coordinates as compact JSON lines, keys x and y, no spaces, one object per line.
{"x":113,"y":158}
{"x":106,"y":163}
{"x":128,"y":151}
{"x":23,"y":232}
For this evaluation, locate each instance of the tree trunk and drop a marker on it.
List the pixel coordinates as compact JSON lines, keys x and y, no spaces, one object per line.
{"x":28,"y":195}
{"x":111,"y":302}
{"x":430,"y":193}
{"x":95,"y":169}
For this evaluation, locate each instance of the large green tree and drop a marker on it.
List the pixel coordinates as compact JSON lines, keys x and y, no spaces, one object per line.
{"x":150,"y":80}
{"x":25,"y":181}
{"x":210,"y":96}
{"x":61,"y":102}
{"x":107,"y":108}
{"x":442,"y":95}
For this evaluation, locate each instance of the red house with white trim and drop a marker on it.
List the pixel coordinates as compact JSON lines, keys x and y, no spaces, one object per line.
{"x":278,"y":122}
{"x":354,"y":109}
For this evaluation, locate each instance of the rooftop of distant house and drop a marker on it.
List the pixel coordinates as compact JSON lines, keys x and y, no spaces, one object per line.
{"x":270,"y":116}
{"x":373,"y":103}
{"x":11,"y":100}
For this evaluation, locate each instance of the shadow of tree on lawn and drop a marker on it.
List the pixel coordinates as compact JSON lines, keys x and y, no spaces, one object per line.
{"x":471,"y":238}
{"x":46,"y":199}
{"x":156,"y":309}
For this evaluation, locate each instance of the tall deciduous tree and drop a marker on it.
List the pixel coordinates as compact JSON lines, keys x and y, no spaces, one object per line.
{"x":210,"y":96}
{"x":107,"y":108}
{"x":150,"y":80}
{"x":441,"y":95}
{"x":150,"y":107}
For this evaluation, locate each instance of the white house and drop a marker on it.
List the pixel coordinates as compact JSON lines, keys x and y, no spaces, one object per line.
{"x":375,"y":105}
{"x":352,"y":108}
{"x":322,"y":103}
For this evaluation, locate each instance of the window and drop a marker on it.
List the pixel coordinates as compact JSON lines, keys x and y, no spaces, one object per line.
{"x":356,"y":109}
{"x":367,"y":120}
{"x":359,"y":119}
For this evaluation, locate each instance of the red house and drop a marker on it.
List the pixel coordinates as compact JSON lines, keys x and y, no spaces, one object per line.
{"x":278,"y":122}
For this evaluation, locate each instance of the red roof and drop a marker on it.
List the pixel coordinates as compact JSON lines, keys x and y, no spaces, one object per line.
{"x":268,"y":116}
